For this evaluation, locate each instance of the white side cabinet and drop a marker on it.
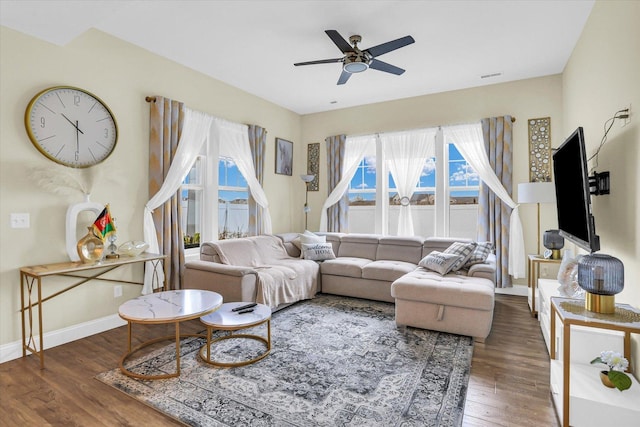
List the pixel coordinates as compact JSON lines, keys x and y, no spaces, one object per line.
{"x":576,"y":337}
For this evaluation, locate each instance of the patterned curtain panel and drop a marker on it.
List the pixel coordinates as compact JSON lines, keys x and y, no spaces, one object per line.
{"x":165,"y":127}
{"x":337,"y":218}
{"x":257,"y":143}
{"x":493,"y":214}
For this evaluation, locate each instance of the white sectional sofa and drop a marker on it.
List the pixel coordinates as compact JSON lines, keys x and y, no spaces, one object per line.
{"x":383,"y":268}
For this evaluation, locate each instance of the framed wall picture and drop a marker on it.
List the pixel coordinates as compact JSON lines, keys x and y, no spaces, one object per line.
{"x":284,"y":157}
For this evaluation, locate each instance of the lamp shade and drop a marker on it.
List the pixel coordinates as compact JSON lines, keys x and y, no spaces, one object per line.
{"x":601,"y":274}
{"x":536,"y":192}
{"x":551,"y":239}
{"x":307,"y":178}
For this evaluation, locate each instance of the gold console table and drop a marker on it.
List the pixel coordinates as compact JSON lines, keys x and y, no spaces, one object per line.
{"x":31,"y":282}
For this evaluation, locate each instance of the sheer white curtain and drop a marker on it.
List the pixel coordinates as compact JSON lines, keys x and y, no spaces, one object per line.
{"x":468,"y":140}
{"x":355,"y":149}
{"x":195,"y":132}
{"x":234,"y":142}
{"x":406,"y":153}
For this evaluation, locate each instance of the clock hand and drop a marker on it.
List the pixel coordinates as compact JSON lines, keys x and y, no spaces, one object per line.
{"x":77,"y":140}
{"x":72,"y":124}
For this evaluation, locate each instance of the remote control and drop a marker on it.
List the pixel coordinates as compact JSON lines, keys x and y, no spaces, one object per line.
{"x":248,"y":310}
{"x":244,"y":307}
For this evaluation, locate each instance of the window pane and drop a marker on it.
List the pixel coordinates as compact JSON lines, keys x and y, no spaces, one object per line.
{"x":194,"y":177}
{"x":191,"y":202}
{"x":428,"y":175}
{"x":363,"y":184}
{"x":229,"y":175}
{"x":233,"y":214}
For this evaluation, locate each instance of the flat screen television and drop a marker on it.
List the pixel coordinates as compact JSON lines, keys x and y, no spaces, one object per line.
{"x":573,"y":196}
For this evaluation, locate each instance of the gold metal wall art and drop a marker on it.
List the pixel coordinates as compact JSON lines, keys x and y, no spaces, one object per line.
{"x":313,"y":165}
{"x":540,"y":149}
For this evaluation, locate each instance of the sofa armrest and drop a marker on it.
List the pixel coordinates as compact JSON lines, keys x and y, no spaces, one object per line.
{"x":485,"y":269}
{"x":234,"y":283}
{"x":214,"y":267}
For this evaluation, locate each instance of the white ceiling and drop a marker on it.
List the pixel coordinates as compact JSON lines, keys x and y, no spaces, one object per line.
{"x":252,"y":45}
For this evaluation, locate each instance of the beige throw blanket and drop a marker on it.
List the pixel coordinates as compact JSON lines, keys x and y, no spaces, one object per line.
{"x":281,"y":278}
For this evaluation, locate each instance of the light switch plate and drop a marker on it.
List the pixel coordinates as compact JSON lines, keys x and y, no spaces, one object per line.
{"x":19,"y":220}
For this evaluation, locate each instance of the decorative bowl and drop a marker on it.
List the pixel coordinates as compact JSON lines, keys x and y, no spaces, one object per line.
{"x":133,"y":248}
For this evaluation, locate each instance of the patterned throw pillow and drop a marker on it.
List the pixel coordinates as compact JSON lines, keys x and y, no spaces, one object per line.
{"x":318,"y":251}
{"x":480,"y":254}
{"x":307,"y":237}
{"x":439,"y":262}
{"x":465,"y":250}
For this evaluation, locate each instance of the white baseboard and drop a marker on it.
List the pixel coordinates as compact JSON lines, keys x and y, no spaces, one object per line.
{"x":519,"y":290}
{"x":13,"y":350}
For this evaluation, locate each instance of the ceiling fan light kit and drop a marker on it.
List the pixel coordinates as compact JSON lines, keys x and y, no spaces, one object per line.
{"x":358,"y":61}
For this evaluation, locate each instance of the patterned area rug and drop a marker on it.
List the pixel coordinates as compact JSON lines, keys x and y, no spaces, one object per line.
{"x":334,"y":361}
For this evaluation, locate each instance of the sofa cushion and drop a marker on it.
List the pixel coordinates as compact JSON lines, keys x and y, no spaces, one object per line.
{"x":359,"y":246}
{"x":480,"y":254}
{"x":440,"y":244}
{"x":387,"y":270}
{"x":317,"y":251}
{"x":439,"y":262}
{"x":465,"y":250}
{"x":408,"y":249}
{"x":453,"y":289}
{"x":344,"y":266}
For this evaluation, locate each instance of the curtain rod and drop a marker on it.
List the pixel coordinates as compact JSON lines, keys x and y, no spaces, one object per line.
{"x":153,"y":99}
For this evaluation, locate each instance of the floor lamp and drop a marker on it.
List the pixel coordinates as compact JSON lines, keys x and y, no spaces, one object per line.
{"x":537,"y":192}
{"x":307,"y":179}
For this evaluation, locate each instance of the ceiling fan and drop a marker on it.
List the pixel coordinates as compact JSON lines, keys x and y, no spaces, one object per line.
{"x":356,"y":60}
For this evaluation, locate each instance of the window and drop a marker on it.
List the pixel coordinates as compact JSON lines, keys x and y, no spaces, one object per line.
{"x":233,"y":197}
{"x":191,"y":194}
{"x":455,"y":215}
{"x":198,"y":201}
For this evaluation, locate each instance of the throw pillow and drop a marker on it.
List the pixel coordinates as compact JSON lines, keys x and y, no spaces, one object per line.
{"x":317,"y":251}
{"x":439,"y":262}
{"x":480,"y":254}
{"x":465,"y":250}
{"x":307,"y":237}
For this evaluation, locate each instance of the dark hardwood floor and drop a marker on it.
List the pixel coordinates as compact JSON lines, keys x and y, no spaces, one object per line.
{"x":509,"y":384}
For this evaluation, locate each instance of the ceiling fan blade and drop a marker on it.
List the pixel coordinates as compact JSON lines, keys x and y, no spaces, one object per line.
{"x":321,"y":61}
{"x":383,"y":48}
{"x":344,"y":77}
{"x":376,"y":64}
{"x":342,"y":44}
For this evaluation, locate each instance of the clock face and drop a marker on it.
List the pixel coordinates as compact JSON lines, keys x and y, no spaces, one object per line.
{"x":71,"y":126}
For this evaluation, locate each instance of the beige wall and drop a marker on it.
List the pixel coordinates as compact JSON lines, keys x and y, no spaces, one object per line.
{"x":525,"y":99}
{"x":122,"y":75}
{"x":602,"y":77}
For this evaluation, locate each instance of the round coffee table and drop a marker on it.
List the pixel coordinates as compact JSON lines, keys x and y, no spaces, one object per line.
{"x":162,"y":308}
{"x":225,"y":319}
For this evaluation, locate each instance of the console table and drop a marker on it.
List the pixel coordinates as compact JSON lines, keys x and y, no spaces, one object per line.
{"x":535,"y":262}
{"x":31,"y":283}
{"x":597,"y":403}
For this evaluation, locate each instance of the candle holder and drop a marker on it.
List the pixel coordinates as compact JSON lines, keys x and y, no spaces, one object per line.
{"x":602,"y":277}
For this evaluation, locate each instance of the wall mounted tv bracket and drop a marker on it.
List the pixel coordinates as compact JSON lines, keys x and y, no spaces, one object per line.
{"x":599,"y":183}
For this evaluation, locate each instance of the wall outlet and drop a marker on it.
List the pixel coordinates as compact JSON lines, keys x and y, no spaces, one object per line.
{"x":628,"y":119}
{"x":19,"y":220}
{"x":117,"y":291}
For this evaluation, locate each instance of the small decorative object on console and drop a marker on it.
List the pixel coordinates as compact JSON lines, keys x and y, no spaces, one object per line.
{"x":553,"y":241}
{"x":133,"y":248}
{"x":615,"y":376}
{"x":602,"y":276}
{"x":90,"y":247}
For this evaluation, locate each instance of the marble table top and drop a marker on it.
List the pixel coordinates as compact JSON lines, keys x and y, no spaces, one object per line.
{"x":170,"y":306}
{"x":225,"y":318}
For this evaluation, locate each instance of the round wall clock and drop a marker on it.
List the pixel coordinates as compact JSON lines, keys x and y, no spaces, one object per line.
{"x":71,"y":126}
